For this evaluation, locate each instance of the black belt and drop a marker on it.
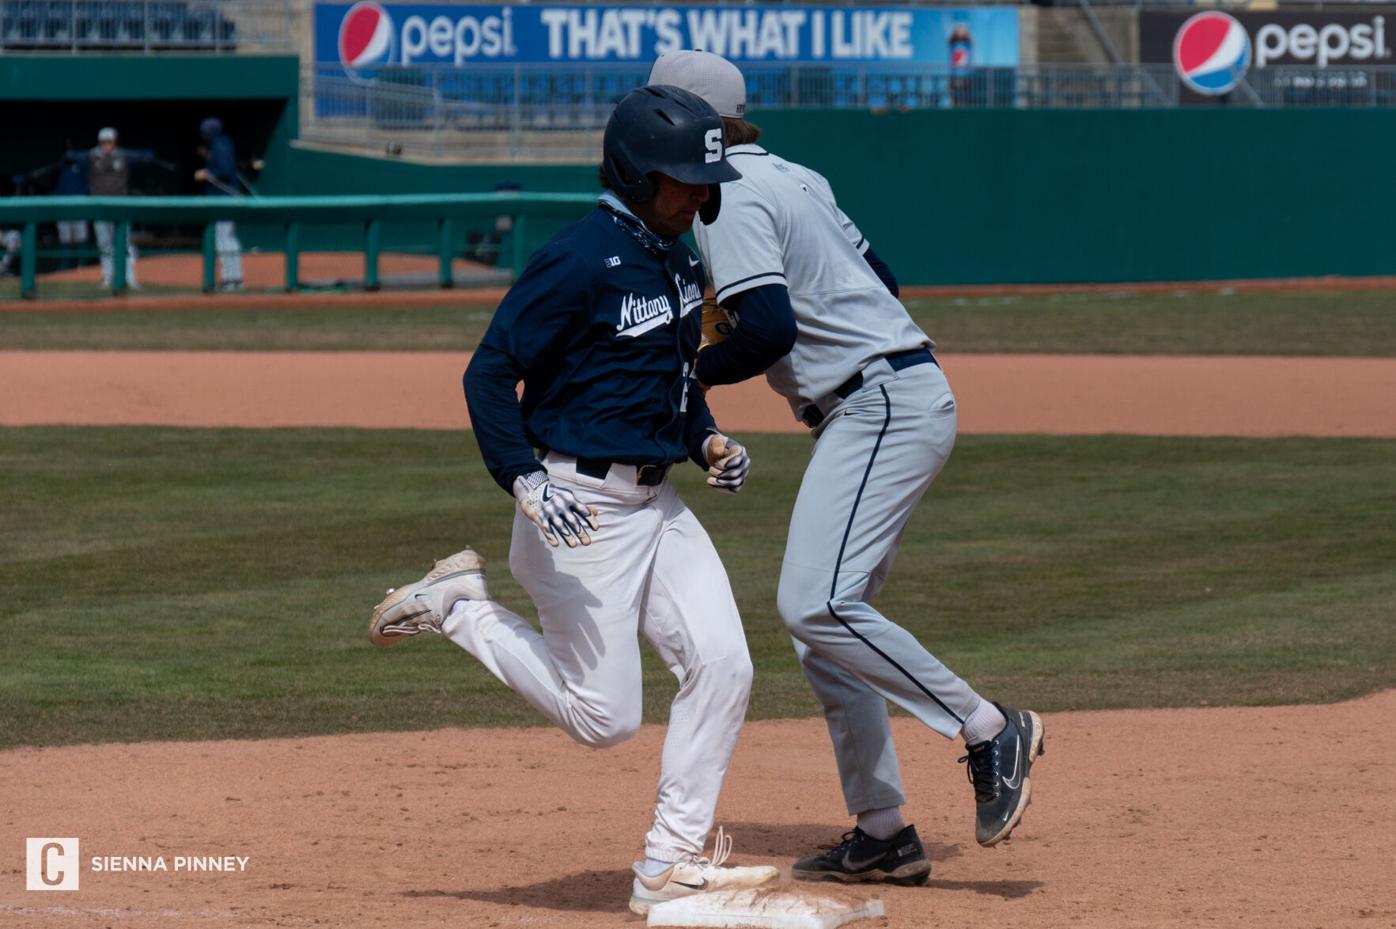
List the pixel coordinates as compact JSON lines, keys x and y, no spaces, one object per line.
{"x":646,"y":475}
{"x":897,"y":361}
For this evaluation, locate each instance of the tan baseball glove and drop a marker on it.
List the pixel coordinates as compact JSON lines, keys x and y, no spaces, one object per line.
{"x":717,"y":325}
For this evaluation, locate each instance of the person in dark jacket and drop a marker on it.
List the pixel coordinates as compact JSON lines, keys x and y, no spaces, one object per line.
{"x":219,"y":175}
{"x":66,"y":177}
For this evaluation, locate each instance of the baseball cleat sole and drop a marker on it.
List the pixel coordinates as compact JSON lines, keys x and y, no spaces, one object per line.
{"x":914,"y":874}
{"x":390,"y":622}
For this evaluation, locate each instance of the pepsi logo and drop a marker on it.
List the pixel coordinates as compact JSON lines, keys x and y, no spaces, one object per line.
{"x":365,"y":36}
{"x":1211,"y":53}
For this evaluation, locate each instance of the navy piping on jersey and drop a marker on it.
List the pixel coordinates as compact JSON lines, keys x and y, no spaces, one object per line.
{"x":833,"y":587}
{"x":774,"y":275}
{"x":753,"y":154}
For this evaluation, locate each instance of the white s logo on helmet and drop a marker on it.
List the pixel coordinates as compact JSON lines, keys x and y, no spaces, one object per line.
{"x":713,"y":140}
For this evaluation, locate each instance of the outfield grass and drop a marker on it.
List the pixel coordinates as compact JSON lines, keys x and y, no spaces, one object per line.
{"x":1356,"y":323}
{"x":165,"y":583}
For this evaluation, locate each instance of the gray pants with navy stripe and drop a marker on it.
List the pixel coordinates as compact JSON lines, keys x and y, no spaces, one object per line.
{"x":874,"y":456}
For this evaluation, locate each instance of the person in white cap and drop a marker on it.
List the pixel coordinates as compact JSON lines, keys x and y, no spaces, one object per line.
{"x":109,"y":175}
{"x":809,"y":303}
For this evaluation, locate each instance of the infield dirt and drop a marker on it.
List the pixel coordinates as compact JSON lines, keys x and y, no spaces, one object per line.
{"x":1052,"y":394}
{"x":1278,"y":817}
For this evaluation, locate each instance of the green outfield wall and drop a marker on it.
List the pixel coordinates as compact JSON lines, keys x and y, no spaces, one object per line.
{"x":946,"y":196}
{"x":1046,"y":195}
{"x":994,"y":196}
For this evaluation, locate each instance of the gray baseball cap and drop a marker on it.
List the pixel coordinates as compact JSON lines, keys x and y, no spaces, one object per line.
{"x":107,"y":135}
{"x":710,"y":76}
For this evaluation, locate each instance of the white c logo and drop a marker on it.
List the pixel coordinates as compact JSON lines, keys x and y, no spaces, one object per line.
{"x":45,"y":854}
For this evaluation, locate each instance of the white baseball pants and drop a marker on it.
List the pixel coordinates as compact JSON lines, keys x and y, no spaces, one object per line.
{"x":106,"y":233}
{"x":650,"y":568}
{"x":225,"y":241}
{"x":72,"y":231}
{"x":874,"y":458}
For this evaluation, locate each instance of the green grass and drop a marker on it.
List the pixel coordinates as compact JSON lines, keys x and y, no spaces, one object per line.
{"x":1344,"y":323}
{"x":165,"y":583}
{"x":70,"y":290}
{"x":349,"y":328}
{"x":1351,"y":324}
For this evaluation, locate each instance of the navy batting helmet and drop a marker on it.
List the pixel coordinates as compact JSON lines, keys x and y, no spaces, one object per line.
{"x":665,"y":130}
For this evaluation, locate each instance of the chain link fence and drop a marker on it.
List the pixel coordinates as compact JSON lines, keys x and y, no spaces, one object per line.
{"x":556,"y":113}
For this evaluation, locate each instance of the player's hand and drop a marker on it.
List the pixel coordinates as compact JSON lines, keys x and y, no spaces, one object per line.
{"x":555,"y":510}
{"x":728,"y":464}
{"x":201,"y":174}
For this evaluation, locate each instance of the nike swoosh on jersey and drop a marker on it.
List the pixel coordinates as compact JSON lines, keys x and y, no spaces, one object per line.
{"x":693,"y":262}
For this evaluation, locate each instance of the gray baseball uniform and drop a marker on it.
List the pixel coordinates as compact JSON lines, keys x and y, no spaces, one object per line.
{"x":861,"y":374}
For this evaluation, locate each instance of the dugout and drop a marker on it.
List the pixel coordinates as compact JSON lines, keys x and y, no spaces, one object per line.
{"x":155,"y":102}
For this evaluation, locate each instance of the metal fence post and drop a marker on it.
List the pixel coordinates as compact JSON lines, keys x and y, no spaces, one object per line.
{"x":210,"y":252}
{"x":293,"y":256}
{"x":372,"y":239}
{"x":516,"y":114}
{"x":120,"y":248}
{"x":443,"y":249}
{"x":28,"y":259}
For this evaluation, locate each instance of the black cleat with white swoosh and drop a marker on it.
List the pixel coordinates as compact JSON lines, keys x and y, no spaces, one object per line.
{"x":860,"y":858}
{"x":1000,"y":771}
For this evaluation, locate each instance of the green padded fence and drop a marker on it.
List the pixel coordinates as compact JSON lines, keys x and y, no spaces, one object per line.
{"x":368,"y":213}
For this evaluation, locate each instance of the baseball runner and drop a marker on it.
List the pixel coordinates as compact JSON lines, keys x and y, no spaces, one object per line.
{"x":813,"y":307}
{"x":602,"y":328}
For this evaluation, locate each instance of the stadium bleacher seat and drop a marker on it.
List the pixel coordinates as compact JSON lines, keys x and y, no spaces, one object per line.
{"x":114,"y":24}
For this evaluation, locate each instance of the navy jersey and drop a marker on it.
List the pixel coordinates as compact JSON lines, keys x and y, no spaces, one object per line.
{"x":603,"y":332}
{"x":222,"y":167}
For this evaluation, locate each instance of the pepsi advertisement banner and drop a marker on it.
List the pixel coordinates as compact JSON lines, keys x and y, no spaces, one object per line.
{"x":1211,"y":52}
{"x":361,"y":36}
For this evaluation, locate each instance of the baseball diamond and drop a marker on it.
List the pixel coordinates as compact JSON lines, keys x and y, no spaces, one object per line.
{"x":774,"y":478}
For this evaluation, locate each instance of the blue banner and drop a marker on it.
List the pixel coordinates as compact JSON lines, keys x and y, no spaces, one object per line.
{"x":362,"y":36}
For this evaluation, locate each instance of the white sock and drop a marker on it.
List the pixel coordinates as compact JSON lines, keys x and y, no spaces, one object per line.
{"x":882,"y":824}
{"x":653,"y":867}
{"x":983,"y":724}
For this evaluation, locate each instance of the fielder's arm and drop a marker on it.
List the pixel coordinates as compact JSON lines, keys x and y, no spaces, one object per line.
{"x":763,"y":331}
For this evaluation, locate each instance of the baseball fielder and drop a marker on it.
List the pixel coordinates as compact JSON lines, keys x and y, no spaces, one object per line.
{"x":816,"y":310}
{"x":602,"y":328}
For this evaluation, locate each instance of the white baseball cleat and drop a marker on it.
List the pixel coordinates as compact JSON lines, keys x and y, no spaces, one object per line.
{"x":695,"y":876}
{"x":422,"y":607}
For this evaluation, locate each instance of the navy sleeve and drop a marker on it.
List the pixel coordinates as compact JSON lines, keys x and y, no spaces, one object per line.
{"x":530,"y":330}
{"x":765,"y":333}
{"x":699,"y":424}
{"x":221,"y":162}
{"x":139,"y":156}
{"x":883,"y":272}
{"x":491,"y":381}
